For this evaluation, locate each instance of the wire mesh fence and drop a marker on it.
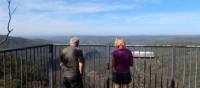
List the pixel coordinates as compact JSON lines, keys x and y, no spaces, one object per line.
{"x":154,"y":67}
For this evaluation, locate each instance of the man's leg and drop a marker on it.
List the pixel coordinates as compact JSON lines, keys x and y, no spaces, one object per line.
{"x":77,"y":83}
{"x":66,"y":83}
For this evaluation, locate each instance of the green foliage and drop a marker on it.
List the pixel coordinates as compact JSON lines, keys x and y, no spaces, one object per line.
{"x":16,"y":72}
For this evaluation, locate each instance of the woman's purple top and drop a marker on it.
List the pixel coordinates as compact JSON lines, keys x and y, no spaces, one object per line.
{"x":122,"y":59}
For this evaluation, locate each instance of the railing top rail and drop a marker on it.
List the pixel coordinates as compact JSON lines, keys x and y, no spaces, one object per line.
{"x":57,"y":44}
{"x":37,"y":46}
{"x":167,"y":46}
{"x":149,"y":45}
{"x":178,"y":46}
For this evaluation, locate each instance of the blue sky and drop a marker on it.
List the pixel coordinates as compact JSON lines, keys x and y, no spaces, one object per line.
{"x":103,"y":17}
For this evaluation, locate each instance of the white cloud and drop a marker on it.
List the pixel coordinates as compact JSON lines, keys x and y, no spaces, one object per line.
{"x":26,"y":21}
{"x":43,"y":25}
{"x":34,"y":17}
{"x":148,"y":1}
{"x":175,"y":18}
{"x":2,"y":14}
{"x":61,"y":6}
{"x":158,"y":18}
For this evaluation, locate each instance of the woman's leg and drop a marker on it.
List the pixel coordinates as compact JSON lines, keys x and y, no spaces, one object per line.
{"x":116,"y":85}
{"x":125,"y":86}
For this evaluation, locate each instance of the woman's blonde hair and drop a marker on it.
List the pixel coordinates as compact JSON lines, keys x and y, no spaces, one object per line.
{"x":119,"y":42}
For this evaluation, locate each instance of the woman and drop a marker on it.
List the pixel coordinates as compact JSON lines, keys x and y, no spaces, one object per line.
{"x":122,"y":59}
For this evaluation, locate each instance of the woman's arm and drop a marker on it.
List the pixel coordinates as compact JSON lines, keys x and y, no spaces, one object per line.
{"x":113,"y":64}
{"x":131,"y":62}
{"x":131,"y":59}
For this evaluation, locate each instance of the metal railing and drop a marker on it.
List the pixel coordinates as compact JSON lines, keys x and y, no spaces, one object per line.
{"x":26,"y":67}
{"x":38,"y":67}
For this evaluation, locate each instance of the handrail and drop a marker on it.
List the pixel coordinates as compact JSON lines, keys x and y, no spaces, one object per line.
{"x":37,"y":46}
{"x":178,"y":46}
{"x":57,"y":44}
{"x":54,"y":44}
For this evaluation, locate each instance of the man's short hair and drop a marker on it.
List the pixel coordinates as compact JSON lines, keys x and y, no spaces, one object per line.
{"x":74,"y":40}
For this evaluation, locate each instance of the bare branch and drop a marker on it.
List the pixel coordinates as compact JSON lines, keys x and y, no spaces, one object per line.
{"x":14,"y":11}
{"x":9,"y":29}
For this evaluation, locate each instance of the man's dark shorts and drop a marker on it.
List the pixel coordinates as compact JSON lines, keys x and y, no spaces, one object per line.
{"x":75,"y":82}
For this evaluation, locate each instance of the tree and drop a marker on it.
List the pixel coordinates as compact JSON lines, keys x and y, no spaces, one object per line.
{"x":10,"y":14}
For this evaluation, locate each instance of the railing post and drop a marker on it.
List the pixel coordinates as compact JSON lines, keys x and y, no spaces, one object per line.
{"x":51,"y":83}
{"x":108,"y":66}
{"x":172,"y":83}
{"x":4,"y":69}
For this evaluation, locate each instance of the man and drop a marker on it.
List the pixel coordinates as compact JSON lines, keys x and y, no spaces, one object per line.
{"x":72,"y":64}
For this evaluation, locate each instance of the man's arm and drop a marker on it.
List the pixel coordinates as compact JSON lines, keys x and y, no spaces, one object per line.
{"x":62,"y":66}
{"x":81,"y":68}
{"x":81,"y":62}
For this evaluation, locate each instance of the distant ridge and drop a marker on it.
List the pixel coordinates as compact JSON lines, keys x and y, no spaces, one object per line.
{"x":141,"y":39}
{"x":18,"y":42}
{"x":105,"y":39}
